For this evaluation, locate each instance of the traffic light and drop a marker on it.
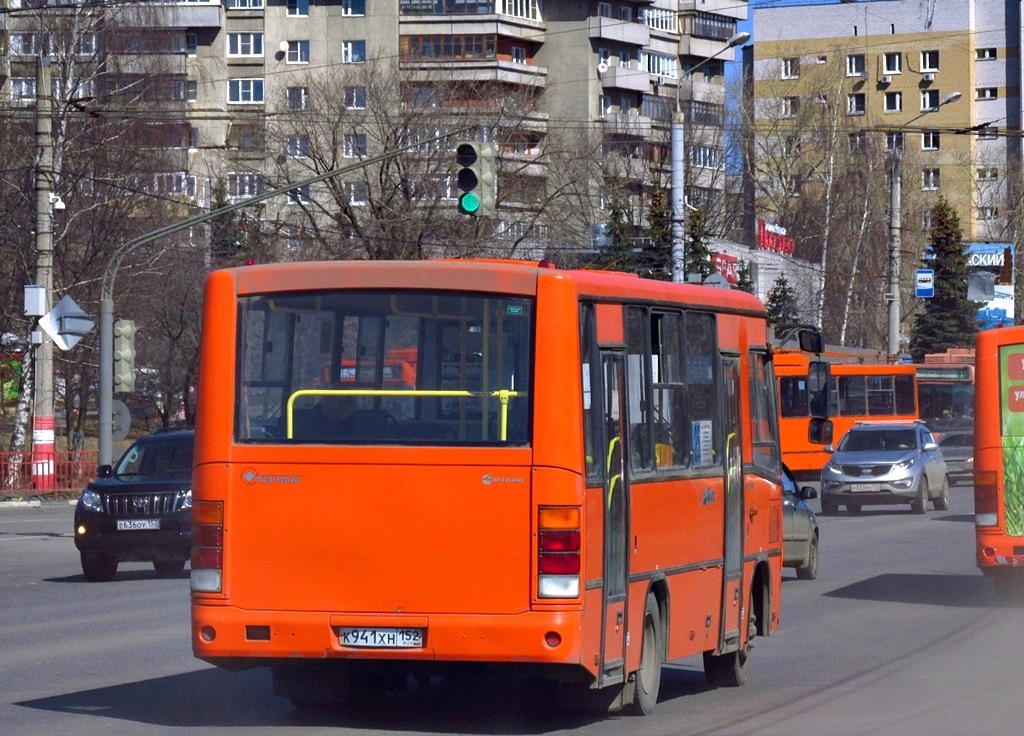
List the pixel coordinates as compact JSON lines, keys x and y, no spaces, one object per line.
{"x":475,"y":178}
{"x":124,"y":356}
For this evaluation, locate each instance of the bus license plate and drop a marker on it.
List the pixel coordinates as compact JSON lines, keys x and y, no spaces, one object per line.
{"x":866,"y":487}
{"x":134,"y":524}
{"x":359,"y":636}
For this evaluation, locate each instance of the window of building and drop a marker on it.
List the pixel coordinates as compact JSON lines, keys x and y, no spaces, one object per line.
{"x":927,"y":220}
{"x":893,"y":102}
{"x":989,"y":132}
{"x":357,"y":192}
{"x":299,"y":195}
{"x":243,"y":4}
{"x":298,"y":8}
{"x":626,"y":13}
{"x":298,"y":52}
{"x":23,"y":90}
{"x":242,"y":185}
{"x":518,"y":55}
{"x":353,"y":145}
{"x":855,"y":103}
{"x":893,"y":141}
{"x":930,"y":140}
{"x":298,"y":146}
{"x":23,"y":43}
{"x":930,"y":179}
{"x":353,"y":52}
{"x":858,"y":141}
{"x":660,"y":19}
{"x":988,"y":174}
{"x":892,"y":63}
{"x":245,"y":44}
{"x":794,"y":186}
{"x":625,"y":56}
{"x":353,"y":7}
{"x":246,"y":137}
{"x":929,"y":99}
{"x":790,"y":107}
{"x":191,"y":90}
{"x":929,"y":61}
{"x":298,"y":98}
{"x":854,"y":65}
{"x":245,"y":91}
{"x":988,"y":213}
{"x":191,"y":43}
{"x":355,"y":98}
{"x":791,"y":68}
{"x":792,"y":146}
{"x":987,"y":93}
{"x":86,"y":44}
{"x":604,"y":10}
{"x":985,"y":54}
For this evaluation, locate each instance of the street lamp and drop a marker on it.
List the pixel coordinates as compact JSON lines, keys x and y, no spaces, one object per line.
{"x":678,"y":180}
{"x":895,"y":241}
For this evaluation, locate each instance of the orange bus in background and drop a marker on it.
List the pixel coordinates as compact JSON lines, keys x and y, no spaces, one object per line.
{"x":857,"y":392}
{"x":999,"y":453}
{"x":582,"y":483}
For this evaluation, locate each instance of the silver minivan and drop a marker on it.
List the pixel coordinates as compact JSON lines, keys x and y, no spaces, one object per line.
{"x":885,"y":463}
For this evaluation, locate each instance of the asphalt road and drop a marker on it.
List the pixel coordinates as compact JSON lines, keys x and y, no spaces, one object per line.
{"x":900,"y":634}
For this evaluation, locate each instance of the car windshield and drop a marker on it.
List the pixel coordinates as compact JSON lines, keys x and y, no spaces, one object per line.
{"x":168,"y":459}
{"x":886,"y":440}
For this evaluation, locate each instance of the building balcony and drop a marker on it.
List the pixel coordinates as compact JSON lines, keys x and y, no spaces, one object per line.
{"x":623,"y":77}
{"x":706,"y":48}
{"x":505,"y":26}
{"x":476,"y":70}
{"x":728,"y":8}
{"x":627,"y":125}
{"x":184,"y":15}
{"x":613,"y":29}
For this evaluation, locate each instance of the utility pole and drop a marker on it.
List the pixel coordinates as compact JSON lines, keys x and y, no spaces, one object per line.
{"x":895,"y":246}
{"x":677,"y":162}
{"x":42,"y":414}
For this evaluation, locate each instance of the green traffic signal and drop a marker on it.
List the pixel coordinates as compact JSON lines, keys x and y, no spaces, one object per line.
{"x":475,"y":178}
{"x":469,"y":204}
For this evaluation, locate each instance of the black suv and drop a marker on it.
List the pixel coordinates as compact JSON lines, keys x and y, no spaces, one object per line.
{"x":139,"y":510}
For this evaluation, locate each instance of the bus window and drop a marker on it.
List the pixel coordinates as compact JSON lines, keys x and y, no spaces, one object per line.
{"x":469,"y":382}
{"x":793,"y":396}
{"x":701,"y":349}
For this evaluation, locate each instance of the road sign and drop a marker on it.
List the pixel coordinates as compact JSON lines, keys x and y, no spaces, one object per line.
{"x":66,"y":323}
{"x":925,"y":283}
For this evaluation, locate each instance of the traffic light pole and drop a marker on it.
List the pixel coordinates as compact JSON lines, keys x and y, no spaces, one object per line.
{"x":105,"y":397}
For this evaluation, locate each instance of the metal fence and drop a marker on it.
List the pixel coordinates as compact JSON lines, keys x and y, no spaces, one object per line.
{"x":47,"y":474}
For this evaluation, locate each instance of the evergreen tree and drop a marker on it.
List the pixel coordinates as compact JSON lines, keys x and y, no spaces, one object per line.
{"x":619,"y":256}
{"x":698,"y":257}
{"x":744,"y":282}
{"x":231,"y":243}
{"x":949,"y":319}
{"x":655,"y":259}
{"x":782,"y":309}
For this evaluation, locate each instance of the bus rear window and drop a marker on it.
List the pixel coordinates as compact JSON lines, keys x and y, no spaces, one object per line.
{"x":373,"y":367}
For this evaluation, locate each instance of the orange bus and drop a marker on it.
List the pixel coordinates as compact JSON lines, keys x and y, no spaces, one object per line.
{"x":945,"y":395}
{"x":857,"y":392}
{"x":999,"y":453}
{"x":582,"y":483}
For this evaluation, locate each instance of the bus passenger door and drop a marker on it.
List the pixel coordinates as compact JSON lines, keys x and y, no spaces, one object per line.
{"x":613,"y":639}
{"x":732,"y":588}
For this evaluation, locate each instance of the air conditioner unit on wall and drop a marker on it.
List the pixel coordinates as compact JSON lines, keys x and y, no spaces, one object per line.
{"x":928,"y":77}
{"x":885,"y":80}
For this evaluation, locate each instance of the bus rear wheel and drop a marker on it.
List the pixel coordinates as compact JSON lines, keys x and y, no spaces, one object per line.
{"x":647,"y":682}
{"x":731,"y":670}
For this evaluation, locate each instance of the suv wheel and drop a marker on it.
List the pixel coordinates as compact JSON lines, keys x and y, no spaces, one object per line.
{"x":99,"y":569}
{"x":920,"y":504}
{"x":942,"y":502}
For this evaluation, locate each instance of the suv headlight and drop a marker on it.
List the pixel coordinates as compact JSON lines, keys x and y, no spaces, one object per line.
{"x":830,"y":468}
{"x":906,"y":464}
{"x":186,"y":501}
{"x":92,"y":501}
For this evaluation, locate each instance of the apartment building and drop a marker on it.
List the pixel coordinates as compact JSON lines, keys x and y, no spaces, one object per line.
{"x":938,"y":81}
{"x":257,"y":94}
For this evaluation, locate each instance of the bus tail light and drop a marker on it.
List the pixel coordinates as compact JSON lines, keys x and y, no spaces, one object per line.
{"x":986,"y":498}
{"x":207,"y":546}
{"x":558,"y":552}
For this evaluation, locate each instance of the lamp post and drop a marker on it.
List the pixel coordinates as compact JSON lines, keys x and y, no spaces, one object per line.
{"x":895,"y":240}
{"x":678,"y":166}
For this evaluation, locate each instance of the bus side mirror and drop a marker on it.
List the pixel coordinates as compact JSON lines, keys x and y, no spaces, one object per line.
{"x":819,"y":431}
{"x":811,"y":341}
